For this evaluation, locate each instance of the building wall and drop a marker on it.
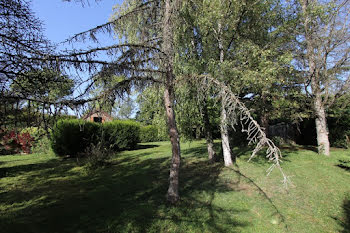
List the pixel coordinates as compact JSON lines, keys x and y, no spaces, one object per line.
{"x":104,"y":116}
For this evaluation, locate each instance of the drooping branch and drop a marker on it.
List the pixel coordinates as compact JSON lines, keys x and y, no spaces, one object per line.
{"x":238,"y":112}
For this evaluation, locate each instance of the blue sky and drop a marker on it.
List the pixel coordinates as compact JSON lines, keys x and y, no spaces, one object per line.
{"x":64,"y":19}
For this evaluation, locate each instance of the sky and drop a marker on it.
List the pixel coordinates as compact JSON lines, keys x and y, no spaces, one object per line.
{"x":64,"y":19}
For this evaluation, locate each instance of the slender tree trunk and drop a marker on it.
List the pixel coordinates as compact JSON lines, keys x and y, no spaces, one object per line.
{"x":167,"y":47}
{"x":225,"y":141}
{"x":321,"y":127}
{"x":173,"y":190}
{"x":208,"y":133}
{"x":321,"y":122}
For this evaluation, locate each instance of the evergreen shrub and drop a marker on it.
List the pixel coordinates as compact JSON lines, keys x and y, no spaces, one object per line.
{"x":121,"y":134}
{"x":149,"y":133}
{"x":73,"y":137}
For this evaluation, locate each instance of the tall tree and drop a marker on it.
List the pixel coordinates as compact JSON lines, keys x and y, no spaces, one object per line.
{"x":323,"y":57}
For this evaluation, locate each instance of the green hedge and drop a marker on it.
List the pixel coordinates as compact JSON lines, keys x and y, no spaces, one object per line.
{"x":73,"y":137}
{"x":121,"y":135}
{"x":149,"y":133}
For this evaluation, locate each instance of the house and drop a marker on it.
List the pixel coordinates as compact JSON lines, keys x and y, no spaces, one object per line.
{"x":97,"y":116}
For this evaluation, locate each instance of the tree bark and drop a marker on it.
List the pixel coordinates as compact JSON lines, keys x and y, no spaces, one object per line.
{"x":167,"y":48}
{"x":225,"y":141}
{"x":208,"y":133}
{"x":173,"y":190}
{"x":321,"y":127}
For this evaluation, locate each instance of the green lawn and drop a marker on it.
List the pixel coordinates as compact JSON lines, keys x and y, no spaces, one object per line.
{"x":42,"y":193}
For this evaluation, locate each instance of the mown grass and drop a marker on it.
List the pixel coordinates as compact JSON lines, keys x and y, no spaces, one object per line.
{"x":42,"y":193}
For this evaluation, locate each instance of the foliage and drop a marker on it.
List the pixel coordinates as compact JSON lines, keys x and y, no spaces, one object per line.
{"x":43,"y":84}
{"x":41,"y":143}
{"x":339,"y":122}
{"x":121,"y":134}
{"x":125,"y":108}
{"x":13,"y":142}
{"x":97,"y":156}
{"x":149,"y":133}
{"x":74,"y":137}
{"x":22,"y":46}
{"x":128,"y":195}
{"x":151,"y":110}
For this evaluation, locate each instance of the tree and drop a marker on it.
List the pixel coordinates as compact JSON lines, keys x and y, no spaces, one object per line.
{"x":126,"y":108}
{"x":323,"y":58}
{"x":238,"y":42}
{"x":25,"y":72}
{"x":22,"y":45}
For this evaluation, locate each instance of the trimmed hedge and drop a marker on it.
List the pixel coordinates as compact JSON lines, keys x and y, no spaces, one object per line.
{"x":73,"y":137}
{"x":149,"y":133}
{"x":121,"y":135}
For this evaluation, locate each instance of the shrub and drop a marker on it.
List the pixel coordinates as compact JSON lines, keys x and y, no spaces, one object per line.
{"x":13,"y":142}
{"x":121,"y":135}
{"x":149,"y":133}
{"x":75,"y":137}
{"x":41,"y":143}
{"x":72,"y":137}
{"x":97,"y":156}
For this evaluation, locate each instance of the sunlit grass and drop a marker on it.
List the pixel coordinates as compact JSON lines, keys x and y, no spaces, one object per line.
{"x":42,"y":193}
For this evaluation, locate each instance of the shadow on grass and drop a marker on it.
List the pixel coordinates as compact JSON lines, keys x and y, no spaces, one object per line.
{"x":129,"y":196}
{"x":346,"y":207}
{"x":344,"y":221}
{"x":263,"y":193}
{"x":16,"y":170}
{"x":344,"y":164}
{"x":143,"y":146}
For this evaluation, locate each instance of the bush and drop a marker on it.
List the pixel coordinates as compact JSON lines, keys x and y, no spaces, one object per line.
{"x":121,"y":135}
{"x":74,"y":137}
{"x":97,"y":156}
{"x":149,"y":133}
{"x":13,"y":142}
{"x":41,"y":143}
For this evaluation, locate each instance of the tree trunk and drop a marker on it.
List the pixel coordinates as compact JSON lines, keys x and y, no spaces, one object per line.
{"x":173,"y":190}
{"x":208,"y":133}
{"x":167,"y":48}
{"x":225,"y":141}
{"x":321,"y":122}
{"x":321,"y":127}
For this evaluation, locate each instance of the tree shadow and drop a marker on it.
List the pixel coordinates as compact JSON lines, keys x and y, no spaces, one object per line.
{"x":16,"y":170}
{"x":144,"y":146}
{"x":346,"y":207}
{"x":309,"y":147}
{"x":344,"y":221}
{"x":128,"y":196}
{"x":263,"y":193}
{"x":344,"y":164}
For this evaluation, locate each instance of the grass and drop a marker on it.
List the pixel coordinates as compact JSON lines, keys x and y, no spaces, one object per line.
{"x":42,"y":193}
